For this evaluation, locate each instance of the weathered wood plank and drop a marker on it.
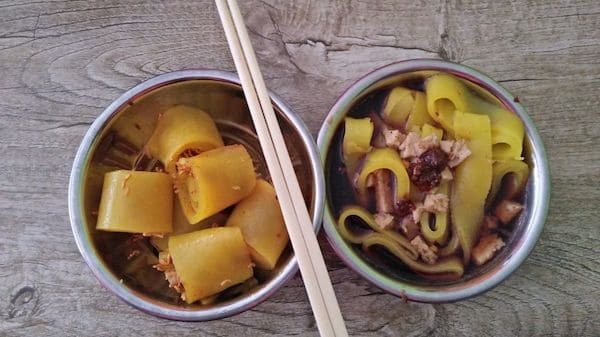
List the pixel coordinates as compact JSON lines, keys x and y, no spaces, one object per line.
{"x":62,"y":62}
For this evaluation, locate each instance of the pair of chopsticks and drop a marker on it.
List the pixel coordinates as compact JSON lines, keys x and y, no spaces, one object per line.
{"x":299,"y":225}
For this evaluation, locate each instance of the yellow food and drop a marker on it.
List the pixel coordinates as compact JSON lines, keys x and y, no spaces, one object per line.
{"x":385,"y":158}
{"x":455,"y":152}
{"x":136,"y":202}
{"x":518,"y":171}
{"x":406,"y":106}
{"x":214,"y":180}
{"x":472,"y":179}
{"x":181,"y":225}
{"x":419,"y":115}
{"x":182,"y":128}
{"x":450,"y":265}
{"x":428,"y":129}
{"x":357,"y":140}
{"x":447,"y":94}
{"x":440,"y":233}
{"x":367,"y":218}
{"x":210,"y":260}
{"x":260,"y":219}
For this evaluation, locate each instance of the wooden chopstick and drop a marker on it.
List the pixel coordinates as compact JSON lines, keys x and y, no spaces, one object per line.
{"x":304,"y":241}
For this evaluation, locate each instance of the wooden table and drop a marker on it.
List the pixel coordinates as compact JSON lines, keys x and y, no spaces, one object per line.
{"x":63,"y":62}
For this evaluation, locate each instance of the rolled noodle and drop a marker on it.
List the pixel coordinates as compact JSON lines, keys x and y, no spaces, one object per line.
{"x":182,"y":128}
{"x":518,"y":171}
{"x":136,"y":202}
{"x":214,"y":180}
{"x":447,"y":94}
{"x":210,"y":260}
{"x":385,"y":158}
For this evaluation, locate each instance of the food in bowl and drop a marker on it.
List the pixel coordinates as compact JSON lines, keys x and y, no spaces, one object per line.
{"x":437,"y":176}
{"x":224,"y":222}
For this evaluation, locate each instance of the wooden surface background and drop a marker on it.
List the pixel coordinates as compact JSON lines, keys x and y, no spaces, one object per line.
{"x":63,"y":62}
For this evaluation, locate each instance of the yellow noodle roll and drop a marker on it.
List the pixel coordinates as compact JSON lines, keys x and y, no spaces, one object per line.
{"x":136,"y":202}
{"x":260,"y":219}
{"x":214,"y":180}
{"x":182,"y":128}
{"x":210,"y":260}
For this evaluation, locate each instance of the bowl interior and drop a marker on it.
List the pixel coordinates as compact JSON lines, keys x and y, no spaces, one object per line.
{"x":119,"y":144}
{"x":390,"y":274}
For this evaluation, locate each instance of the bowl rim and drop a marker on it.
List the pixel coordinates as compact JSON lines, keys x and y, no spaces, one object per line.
{"x":539,"y":211}
{"x":82,"y":234}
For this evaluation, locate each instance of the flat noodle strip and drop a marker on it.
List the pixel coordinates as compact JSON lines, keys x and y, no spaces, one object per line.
{"x":347,"y":233}
{"x":398,"y":105}
{"x":419,"y":115}
{"x":472,"y":179}
{"x":225,"y":260}
{"x":450,"y":265}
{"x":357,"y":140}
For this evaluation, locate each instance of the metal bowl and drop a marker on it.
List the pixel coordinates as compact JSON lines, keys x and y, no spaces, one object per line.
{"x":403,"y":282}
{"x":115,"y":141}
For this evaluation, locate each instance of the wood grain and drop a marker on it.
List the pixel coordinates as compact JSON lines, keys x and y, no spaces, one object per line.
{"x":62,"y":62}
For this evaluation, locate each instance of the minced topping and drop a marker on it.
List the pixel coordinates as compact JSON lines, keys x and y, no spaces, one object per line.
{"x":413,"y":145}
{"x":507,"y":210}
{"x":436,"y":203}
{"x":446,"y":174}
{"x":456,"y":150}
{"x":428,"y":253}
{"x":409,"y":228}
{"x":165,"y":265}
{"x":384,"y":220}
{"x":393,"y":138}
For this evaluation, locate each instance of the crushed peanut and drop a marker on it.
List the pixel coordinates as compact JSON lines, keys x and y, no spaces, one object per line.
{"x":393,"y":138}
{"x":486,"y":248}
{"x":384,"y":220}
{"x":414,"y":146}
{"x":507,"y":210}
{"x":165,"y":265}
{"x":436,"y":203}
{"x":456,"y":150}
{"x":428,"y":253}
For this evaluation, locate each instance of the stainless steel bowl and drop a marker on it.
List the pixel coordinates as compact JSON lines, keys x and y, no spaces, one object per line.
{"x":526,"y":231}
{"x":115,"y":140}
